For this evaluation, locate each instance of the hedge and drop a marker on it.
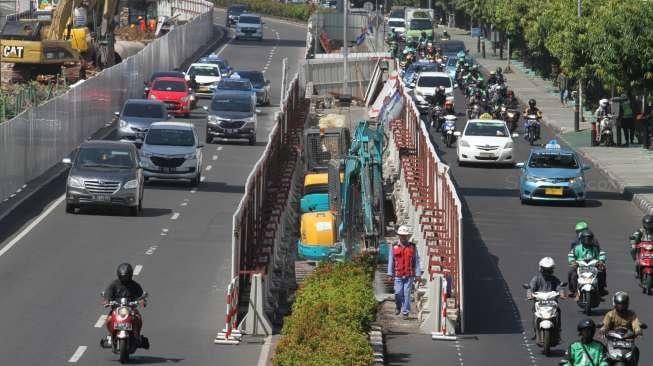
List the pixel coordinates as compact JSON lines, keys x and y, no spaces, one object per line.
{"x":273,"y":8}
{"x":331,"y":314}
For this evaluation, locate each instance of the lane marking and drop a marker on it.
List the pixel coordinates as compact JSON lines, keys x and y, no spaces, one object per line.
{"x":208,"y":167}
{"x":138,"y":269}
{"x":100,"y":322}
{"x":174,"y":216}
{"x":193,"y":190}
{"x":151,"y":250}
{"x":31,"y":226}
{"x":219,"y":148}
{"x":78,"y":354}
{"x":214,"y":157}
{"x":185,"y":203}
{"x":164,"y":232}
{"x":265,"y":352}
{"x":224,"y":46}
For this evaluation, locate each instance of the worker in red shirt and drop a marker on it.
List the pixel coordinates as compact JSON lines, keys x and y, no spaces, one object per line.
{"x":141,"y":24}
{"x":403,"y":268}
{"x":151,"y":24}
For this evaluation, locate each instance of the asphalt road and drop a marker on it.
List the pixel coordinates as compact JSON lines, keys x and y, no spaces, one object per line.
{"x":52,"y":275}
{"x":503,"y":242}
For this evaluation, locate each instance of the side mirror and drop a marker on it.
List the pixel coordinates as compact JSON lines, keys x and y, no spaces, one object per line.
{"x":190,"y":90}
{"x":515,"y":135}
{"x":102,"y":294}
{"x":457,"y":133}
{"x":412,"y":85}
{"x":519,"y":165}
{"x":526,"y":286}
{"x":205,"y":108}
{"x":586,"y":167}
{"x":67,"y":161}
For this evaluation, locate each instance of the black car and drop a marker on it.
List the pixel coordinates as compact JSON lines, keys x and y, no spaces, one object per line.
{"x":160,"y":74}
{"x":105,"y":174}
{"x":233,"y":12}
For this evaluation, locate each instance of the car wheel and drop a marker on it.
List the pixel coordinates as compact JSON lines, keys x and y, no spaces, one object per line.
{"x":209,"y":139}
{"x":196,"y":181}
{"x":460,"y":163}
{"x":252,"y":140}
{"x":523,"y":200}
{"x":70,"y":208}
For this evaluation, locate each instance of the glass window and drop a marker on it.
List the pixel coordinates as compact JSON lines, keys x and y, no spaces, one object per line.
{"x":452,"y":47}
{"x":232,"y":104}
{"x":204,"y":71}
{"x":170,"y":137}
{"x":548,"y":160}
{"x":495,"y":129}
{"x":249,"y":19}
{"x":165,"y":85}
{"x":144,"y":110}
{"x":396,"y":24}
{"x":254,"y":76}
{"x":434,"y":81}
{"x":421,"y":24}
{"x":235,"y":84}
{"x":237,"y":9}
{"x":104,"y":157}
{"x":397,"y":13}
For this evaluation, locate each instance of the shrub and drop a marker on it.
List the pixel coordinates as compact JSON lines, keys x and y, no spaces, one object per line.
{"x":273,"y":8}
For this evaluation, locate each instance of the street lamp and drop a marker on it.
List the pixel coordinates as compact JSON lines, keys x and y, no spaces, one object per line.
{"x":578,"y":113}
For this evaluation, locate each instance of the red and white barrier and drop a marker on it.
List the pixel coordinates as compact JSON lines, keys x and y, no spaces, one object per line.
{"x":230,"y":334}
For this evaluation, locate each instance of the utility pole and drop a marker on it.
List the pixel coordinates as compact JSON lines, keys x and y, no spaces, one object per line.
{"x":345,"y":49}
{"x":579,"y":103}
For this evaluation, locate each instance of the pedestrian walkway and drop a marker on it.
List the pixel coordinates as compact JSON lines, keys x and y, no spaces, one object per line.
{"x":630,"y":169}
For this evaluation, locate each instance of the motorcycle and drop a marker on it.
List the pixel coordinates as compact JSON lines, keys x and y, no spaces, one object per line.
{"x":645,"y":265}
{"x":606,"y":128}
{"x":449,"y":130}
{"x":511,"y":117}
{"x":621,"y":347}
{"x":588,"y":296}
{"x":124,"y":339}
{"x":531,"y":126}
{"x":437,"y":117}
{"x":547,"y":318}
{"x":474,"y":112}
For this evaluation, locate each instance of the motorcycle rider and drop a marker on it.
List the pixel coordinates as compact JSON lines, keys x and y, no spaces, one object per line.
{"x":603,"y":109}
{"x":439,"y":97}
{"x":645,"y":233}
{"x":586,"y":250}
{"x":500,"y":77}
{"x":492,"y":79}
{"x":532,"y":109}
{"x":445,"y":36}
{"x":125,"y":287}
{"x":423,"y":38}
{"x":621,"y":317}
{"x":192,"y":83}
{"x":586,"y":351}
{"x":545,"y":281}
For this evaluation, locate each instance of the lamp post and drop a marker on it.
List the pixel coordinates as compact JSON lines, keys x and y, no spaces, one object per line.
{"x":578,"y":115}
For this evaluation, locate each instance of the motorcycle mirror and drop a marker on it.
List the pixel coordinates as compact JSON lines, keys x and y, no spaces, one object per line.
{"x":643,"y":325}
{"x":525,"y":286}
{"x":564,"y":284}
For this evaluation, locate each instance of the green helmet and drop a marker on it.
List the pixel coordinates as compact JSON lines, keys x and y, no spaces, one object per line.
{"x":580,"y":226}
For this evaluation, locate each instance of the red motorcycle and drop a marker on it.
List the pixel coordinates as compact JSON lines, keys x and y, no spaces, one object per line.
{"x":125,"y":325}
{"x":645,"y":265}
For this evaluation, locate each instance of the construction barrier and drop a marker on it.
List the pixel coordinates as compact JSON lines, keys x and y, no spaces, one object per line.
{"x":230,"y":333}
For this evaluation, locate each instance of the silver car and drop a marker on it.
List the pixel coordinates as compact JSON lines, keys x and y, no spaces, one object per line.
{"x":171,"y":150}
{"x":136,"y":117}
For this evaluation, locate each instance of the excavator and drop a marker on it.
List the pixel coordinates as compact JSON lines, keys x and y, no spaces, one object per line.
{"x":61,"y":33}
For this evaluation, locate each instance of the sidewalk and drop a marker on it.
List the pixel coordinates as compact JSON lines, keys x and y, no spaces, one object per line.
{"x":629,"y":169}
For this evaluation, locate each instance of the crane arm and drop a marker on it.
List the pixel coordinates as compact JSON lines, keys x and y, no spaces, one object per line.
{"x":60,"y":18}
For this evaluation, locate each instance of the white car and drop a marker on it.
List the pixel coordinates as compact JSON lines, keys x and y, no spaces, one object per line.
{"x":206,"y":75}
{"x":485,"y":141}
{"x":428,"y":81}
{"x":171,"y":150}
{"x":397,"y":24}
{"x":249,"y":26}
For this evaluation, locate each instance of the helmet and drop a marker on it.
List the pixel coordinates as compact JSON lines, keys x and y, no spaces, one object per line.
{"x":586,"y":324}
{"x":620,"y":301}
{"x":647,"y":222}
{"x":603,"y":102}
{"x":499,"y":70}
{"x":493,"y":73}
{"x":442,"y":88}
{"x":547,"y":265}
{"x":580,"y":226}
{"x":510,"y":93}
{"x":586,"y":238}
{"x":531,"y":103}
{"x":124,"y":272}
{"x":405,"y":52}
{"x":403,"y":230}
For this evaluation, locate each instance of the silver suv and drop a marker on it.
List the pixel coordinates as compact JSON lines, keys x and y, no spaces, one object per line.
{"x":136,"y":117}
{"x":171,"y":150}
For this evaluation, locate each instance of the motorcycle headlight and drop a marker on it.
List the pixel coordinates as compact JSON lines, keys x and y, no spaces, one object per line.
{"x":123,"y":312}
{"x":509,"y":145}
{"x":123,"y":124}
{"x":75,"y":182}
{"x":132,"y":184}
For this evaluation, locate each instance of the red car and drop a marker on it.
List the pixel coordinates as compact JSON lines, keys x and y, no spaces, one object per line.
{"x":174,"y":93}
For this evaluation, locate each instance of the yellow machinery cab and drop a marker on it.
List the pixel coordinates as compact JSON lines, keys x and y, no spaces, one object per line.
{"x":318,"y":234}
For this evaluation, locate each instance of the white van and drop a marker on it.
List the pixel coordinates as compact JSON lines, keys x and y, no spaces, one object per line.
{"x":249,"y":26}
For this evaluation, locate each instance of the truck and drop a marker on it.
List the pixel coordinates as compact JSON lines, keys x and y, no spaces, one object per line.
{"x":417,"y":21}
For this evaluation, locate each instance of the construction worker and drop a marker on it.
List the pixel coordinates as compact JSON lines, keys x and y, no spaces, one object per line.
{"x":403,"y":268}
{"x":141,"y":24}
{"x":151,"y":24}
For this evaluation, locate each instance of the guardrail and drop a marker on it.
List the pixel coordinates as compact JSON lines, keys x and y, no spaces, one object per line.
{"x":182,"y":10}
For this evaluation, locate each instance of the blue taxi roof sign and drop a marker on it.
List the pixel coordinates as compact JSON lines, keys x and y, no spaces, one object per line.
{"x":553,"y":144}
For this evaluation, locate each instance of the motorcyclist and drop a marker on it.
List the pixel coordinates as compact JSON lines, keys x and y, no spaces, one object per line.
{"x":392,"y":36}
{"x":492,"y":79}
{"x":533,"y":110}
{"x":545,"y":281}
{"x":511,"y":102}
{"x":500,"y":77}
{"x":621,"y":317}
{"x":423,"y":38}
{"x":125,"y":287}
{"x":192,"y":82}
{"x":645,"y":233}
{"x":439,"y":97}
{"x":586,"y":348}
{"x":579,"y":228}
{"x":449,"y":107}
{"x":586,"y":250}
{"x":603,"y":109}
{"x":445,"y":36}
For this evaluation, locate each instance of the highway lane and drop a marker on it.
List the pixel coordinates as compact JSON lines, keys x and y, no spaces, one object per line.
{"x":52,"y":277}
{"x":503,"y":242}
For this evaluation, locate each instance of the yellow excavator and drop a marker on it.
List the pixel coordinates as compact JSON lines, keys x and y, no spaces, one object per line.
{"x":61,"y":33}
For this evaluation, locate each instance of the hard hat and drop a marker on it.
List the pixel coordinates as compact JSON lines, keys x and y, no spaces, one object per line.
{"x":547,"y":263}
{"x":140,"y":17}
{"x":403,"y":230}
{"x":603,"y":102}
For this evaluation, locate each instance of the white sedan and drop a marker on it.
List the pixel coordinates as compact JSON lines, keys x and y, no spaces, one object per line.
{"x":485,"y":141}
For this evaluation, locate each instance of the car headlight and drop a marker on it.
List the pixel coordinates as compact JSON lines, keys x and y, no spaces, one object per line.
{"x":532,"y":178}
{"x":123,"y":123}
{"x":184,"y":99}
{"x":132,"y":184}
{"x":75,"y":182}
{"x":463,"y":143}
{"x":213,"y":120}
{"x":509,"y":145}
{"x":576,"y":180}
{"x":191,"y":156}
{"x":152,"y":96}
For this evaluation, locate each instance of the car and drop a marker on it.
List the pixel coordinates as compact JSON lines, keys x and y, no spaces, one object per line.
{"x":232,"y":115}
{"x":175,"y":93}
{"x":205,"y":75}
{"x":427,"y":83}
{"x":397,"y":24}
{"x":249,"y":26}
{"x":450,"y":48}
{"x":236,"y":83}
{"x":552,"y":174}
{"x":171,"y":150}
{"x":104,"y":174}
{"x":160,"y":74}
{"x":222,"y":63}
{"x":485,"y":141}
{"x":233,"y":12}
{"x":411,"y":73}
{"x":260,"y":84}
{"x":136,"y":117}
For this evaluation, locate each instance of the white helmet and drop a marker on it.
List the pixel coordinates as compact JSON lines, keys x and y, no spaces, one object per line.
{"x":403,"y":230}
{"x":603,"y":102}
{"x":547,"y":263}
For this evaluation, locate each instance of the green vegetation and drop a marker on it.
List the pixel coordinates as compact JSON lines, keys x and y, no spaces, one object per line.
{"x":331,"y":315}
{"x":273,"y":8}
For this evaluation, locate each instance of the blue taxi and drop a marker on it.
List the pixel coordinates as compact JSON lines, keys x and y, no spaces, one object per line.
{"x":552,"y":174}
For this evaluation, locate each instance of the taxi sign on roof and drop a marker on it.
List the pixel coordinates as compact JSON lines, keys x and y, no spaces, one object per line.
{"x":485,"y":116}
{"x":553,"y":144}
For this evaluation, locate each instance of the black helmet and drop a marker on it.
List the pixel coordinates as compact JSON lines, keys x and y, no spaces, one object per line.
{"x":499,"y":70}
{"x":531,"y":102}
{"x":586,"y":237}
{"x":620,"y":301}
{"x":647,"y":222}
{"x":125,"y":272}
{"x":586,"y":324}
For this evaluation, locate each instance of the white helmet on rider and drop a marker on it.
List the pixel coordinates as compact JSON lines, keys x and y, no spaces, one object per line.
{"x":547,"y":265}
{"x":603,"y":102}
{"x":403,"y":230}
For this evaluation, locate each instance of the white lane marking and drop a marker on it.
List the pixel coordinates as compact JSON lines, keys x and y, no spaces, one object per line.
{"x":100,"y":322}
{"x":193,"y":190}
{"x":265,"y":352}
{"x":208,"y":167}
{"x":202,"y":178}
{"x":78,"y":354}
{"x":219,"y":148}
{"x":185,"y":203}
{"x":137,"y":269}
{"x":224,"y":46}
{"x":151,"y":250}
{"x":174,"y":216}
{"x":31,"y":226}
{"x":164,"y":232}
{"x":214,"y":157}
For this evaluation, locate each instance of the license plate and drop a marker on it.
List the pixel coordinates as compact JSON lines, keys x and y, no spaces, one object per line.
{"x":122,"y":326}
{"x":203,"y":88}
{"x":232,"y":131}
{"x":486,"y":155}
{"x":141,"y":135}
{"x":102,"y":198}
{"x":168,"y":170}
{"x":553,"y":191}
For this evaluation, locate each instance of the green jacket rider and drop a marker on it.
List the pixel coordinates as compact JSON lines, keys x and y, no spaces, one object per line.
{"x":580,"y":352}
{"x":586,"y":250}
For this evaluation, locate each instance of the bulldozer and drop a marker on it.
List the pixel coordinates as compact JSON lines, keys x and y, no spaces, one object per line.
{"x":68,"y":33}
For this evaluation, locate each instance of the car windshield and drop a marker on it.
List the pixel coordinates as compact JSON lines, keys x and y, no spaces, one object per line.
{"x":170,"y":137}
{"x":249,"y":19}
{"x":421,"y":24}
{"x":434,"y":81}
{"x":453,"y":47}
{"x":235,"y":84}
{"x":165,"y":85}
{"x":144,"y":110}
{"x":172,"y":74}
{"x":396,"y":23}
{"x":222,"y":64}
{"x":397,"y":13}
{"x":237,"y":9}
{"x":493,"y":129}
{"x":255,"y":77}
{"x":104,"y":157}
{"x":451,"y":61}
{"x":203,"y":71}
{"x":231,"y":104}
{"x":555,"y":160}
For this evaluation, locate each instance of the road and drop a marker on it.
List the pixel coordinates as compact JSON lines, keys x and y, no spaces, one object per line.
{"x":503,"y":242}
{"x":57,"y":263}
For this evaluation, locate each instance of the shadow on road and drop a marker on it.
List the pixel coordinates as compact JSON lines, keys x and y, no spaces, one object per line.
{"x":152,"y":360}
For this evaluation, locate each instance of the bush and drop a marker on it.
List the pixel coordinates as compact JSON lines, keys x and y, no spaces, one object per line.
{"x":331,"y":314}
{"x":273,"y":8}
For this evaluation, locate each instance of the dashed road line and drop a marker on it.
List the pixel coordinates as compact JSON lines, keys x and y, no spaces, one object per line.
{"x":151,"y":250}
{"x":193,"y":190}
{"x":202,"y":178}
{"x":78,"y":354}
{"x":100,"y":322}
{"x":137,"y":269}
{"x":219,"y":148}
{"x":174,"y":216}
{"x":164,"y":231}
{"x":208,"y":167}
{"x":214,"y":157}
